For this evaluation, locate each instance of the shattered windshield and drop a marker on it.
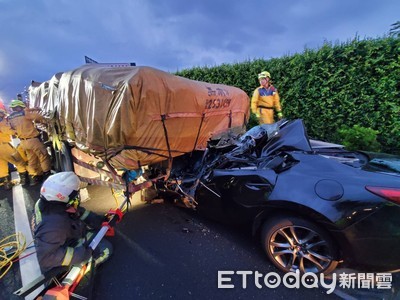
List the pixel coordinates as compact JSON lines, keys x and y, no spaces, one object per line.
{"x":289,"y":136}
{"x":259,"y":131}
{"x":268,"y":138}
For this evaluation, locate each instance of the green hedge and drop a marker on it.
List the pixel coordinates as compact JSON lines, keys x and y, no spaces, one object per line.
{"x":352,"y":83}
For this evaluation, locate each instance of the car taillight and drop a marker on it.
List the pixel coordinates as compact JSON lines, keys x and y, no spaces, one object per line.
{"x":391,"y":194}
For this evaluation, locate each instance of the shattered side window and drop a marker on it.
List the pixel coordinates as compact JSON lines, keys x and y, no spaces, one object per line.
{"x":259,"y":131}
{"x":386,"y":164}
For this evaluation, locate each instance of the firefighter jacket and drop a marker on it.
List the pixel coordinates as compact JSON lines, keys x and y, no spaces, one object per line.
{"x":5,"y":131}
{"x":22,"y":123}
{"x":264,"y":101}
{"x":9,"y":154}
{"x":60,"y":236}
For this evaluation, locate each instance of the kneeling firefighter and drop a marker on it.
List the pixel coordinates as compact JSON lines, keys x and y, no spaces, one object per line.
{"x":62,"y":228}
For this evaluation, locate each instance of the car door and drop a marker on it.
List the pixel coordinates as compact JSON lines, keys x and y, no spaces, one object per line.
{"x":236,"y":195}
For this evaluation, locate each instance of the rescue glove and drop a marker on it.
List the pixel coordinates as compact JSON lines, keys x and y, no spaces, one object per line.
{"x":112,"y":217}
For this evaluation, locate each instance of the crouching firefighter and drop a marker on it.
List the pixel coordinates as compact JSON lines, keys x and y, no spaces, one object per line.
{"x":63,"y":229}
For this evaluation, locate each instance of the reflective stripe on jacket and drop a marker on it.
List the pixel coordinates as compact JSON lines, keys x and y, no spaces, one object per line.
{"x":266,"y":97}
{"x":58,"y":234}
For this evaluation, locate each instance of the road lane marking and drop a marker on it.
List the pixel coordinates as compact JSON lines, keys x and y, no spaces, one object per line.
{"x":29,"y":266}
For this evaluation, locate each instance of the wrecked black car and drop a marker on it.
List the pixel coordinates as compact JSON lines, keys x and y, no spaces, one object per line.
{"x":313,"y":204}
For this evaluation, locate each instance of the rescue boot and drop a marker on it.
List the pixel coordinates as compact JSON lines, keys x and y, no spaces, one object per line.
{"x":22,"y":179}
{"x":6,"y":183}
{"x":34,"y":180}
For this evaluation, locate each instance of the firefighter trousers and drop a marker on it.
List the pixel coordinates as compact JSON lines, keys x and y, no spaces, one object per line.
{"x":38,"y":159}
{"x":9,"y":154}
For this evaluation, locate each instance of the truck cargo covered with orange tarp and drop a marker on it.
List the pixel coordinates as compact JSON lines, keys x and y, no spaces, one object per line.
{"x":134,"y":116}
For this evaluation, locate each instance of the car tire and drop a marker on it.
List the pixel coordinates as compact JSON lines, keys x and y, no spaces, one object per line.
{"x":293,"y":243}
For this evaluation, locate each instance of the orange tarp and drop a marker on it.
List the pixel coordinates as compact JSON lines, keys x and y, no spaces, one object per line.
{"x":140,"y":115}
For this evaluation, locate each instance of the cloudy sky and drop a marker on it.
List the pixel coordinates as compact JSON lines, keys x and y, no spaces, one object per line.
{"x":43,"y":37}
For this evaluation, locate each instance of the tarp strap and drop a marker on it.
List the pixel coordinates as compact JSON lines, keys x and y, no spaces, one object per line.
{"x":95,"y":169}
{"x":112,"y":171}
{"x":198,"y":132}
{"x":110,"y":184}
{"x":114,"y":152}
{"x":150,"y":150}
{"x":163,"y":117}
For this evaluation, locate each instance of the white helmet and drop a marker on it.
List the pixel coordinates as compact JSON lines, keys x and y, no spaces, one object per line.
{"x":62,"y":187}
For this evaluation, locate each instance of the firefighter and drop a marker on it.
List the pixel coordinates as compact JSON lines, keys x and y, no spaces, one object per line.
{"x":21,"y":120}
{"x":62,"y":228}
{"x":265,"y":100}
{"x":8,"y":154}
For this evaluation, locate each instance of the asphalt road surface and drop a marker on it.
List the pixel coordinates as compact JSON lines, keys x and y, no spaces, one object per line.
{"x":162,"y":251}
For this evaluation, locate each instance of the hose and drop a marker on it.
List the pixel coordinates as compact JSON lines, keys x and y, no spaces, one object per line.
{"x":10,"y":249}
{"x":117,"y":194}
